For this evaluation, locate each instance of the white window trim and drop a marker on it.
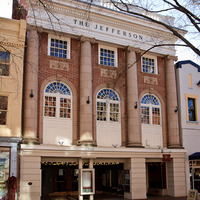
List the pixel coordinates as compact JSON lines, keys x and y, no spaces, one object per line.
{"x":108,"y":48}
{"x":108,"y":101}
{"x":195,"y":97}
{"x":68,"y":40}
{"x":155,"y":60}
{"x":150,"y":112}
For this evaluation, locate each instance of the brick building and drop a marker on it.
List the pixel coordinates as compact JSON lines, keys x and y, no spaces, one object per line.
{"x":95,"y":120}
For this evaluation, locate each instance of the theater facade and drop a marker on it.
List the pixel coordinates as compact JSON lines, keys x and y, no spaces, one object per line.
{"x":99,"y":116}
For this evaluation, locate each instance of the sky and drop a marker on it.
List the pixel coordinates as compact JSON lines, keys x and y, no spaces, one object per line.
{"x":6,"y":8}
{"x":182,"y":53}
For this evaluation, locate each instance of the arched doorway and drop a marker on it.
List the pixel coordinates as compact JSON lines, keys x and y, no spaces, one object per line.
{"x":57,"y":115}
{"x":151,"y":121}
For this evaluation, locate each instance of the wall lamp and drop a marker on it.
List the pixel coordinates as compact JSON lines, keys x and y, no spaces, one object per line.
{"x":31,"y":94}
{"x":135,"y":106}
{"x":176,"y":110}
{"x":88,"y":100}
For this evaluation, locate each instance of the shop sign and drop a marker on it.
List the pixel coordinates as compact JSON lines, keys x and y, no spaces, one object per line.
{"x":108,"y":29}
{"x":193,"y":195}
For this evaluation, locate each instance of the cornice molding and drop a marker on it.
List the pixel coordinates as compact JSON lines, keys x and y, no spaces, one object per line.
{"x":93,"y":18}
{"x":130,"y":48}
{"x":170,"y":57}
{"x":11,"y":44}
{"x":39,"y":29}
{"x":87,"y":39}
{"x":139,"y":33}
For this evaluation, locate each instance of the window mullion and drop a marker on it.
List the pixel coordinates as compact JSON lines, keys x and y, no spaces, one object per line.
{"x":150,"y":115}
{"x":57,"y":106}
{"x":108,"y":110}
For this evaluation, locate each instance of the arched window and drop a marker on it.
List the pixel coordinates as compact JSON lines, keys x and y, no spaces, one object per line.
{"x":150,"y":110}
{"x":57,"y":101}
{"x":108,"y":106}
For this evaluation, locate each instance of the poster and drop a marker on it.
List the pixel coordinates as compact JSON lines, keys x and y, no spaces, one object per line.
{"x":87,"y":179}
{"x":193,"y":195}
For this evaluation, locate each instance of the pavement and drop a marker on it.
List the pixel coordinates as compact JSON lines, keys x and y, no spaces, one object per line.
{"x":113,"y":197}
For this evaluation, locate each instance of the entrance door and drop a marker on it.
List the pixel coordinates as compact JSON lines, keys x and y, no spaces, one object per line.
{"x":59,"y":180}
{"x":109,"y":179}
{"x":156,"y":178}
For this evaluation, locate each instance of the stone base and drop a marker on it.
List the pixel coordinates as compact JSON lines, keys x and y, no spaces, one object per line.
{"x":175,"y":146}
{"x":30,"y":141}
{"x":134,"y":145}
{"x":86,"y":143}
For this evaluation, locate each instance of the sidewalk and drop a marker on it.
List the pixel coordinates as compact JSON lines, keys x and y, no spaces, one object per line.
{"x":107,"y":197}
{"x":117,"y":197}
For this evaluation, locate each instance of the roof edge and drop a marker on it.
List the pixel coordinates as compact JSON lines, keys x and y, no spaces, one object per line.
{"x":180,"y":63}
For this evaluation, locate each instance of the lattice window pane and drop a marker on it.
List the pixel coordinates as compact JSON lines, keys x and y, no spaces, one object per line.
{"x":101,"y":111}
{"x":148,"y":65}
{"x":107,"y":57}
{"x":3,"y":109}
{"x":107,"y":94}
{"x":57,"y":87}
{"x":191,"y":109}
{"x":65,"y":108}
{"x":4,"y":63}
{"x":150,"y":99}
{"x":145,"y":115}
{"x":50,"y":106}
{"x":114,"y":112}
{"x":156,"y":116}
{"x":58,"y":48}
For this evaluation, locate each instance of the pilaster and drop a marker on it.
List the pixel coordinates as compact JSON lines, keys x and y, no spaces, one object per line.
{"x":31,"y":87}
{"x":86,"y":133}
{"x":172,"y":116}
{"x":134,"y":136}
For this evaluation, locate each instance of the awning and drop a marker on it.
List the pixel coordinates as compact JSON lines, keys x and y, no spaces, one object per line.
{"x":194,"y":156}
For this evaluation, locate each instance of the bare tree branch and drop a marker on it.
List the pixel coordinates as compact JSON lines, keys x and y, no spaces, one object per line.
{"x":142,"y":54}
{"x":173,"y":30}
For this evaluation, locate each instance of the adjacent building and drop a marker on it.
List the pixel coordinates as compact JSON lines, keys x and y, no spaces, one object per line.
{"x":98,"y":117}
{"x":188,"y":83}
{"x":12,"y":39}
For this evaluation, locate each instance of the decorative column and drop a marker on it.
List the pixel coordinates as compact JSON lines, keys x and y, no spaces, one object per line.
{"x":86,"y":136}
{"x":172,"y":116}
{"x":31,"y":87}
{"x":134,"y":137}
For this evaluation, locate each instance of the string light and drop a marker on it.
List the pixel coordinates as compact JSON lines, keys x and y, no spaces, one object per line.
{"x":76,"y":163}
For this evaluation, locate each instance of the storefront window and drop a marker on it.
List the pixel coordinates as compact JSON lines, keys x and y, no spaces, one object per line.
{"x":4,"y":170}
{"x":195,"y":175}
